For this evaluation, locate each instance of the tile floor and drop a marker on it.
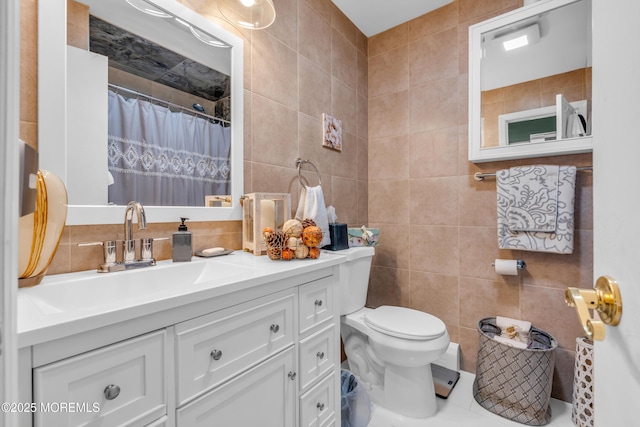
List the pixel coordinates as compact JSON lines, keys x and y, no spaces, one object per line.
{"x":461,"y":410}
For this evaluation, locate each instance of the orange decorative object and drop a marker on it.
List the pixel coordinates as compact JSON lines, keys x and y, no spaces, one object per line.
{"x":314,"y":253}
{"x":288,"y":254}
{"x":312,"y":236}
{"x":39,"y":232}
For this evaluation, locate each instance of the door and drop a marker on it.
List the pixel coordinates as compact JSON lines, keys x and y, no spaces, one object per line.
{"x":9,"y":107}
{"x":616,"y":112}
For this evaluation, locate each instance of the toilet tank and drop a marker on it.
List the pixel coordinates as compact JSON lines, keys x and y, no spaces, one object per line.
{"x":354,"y":278}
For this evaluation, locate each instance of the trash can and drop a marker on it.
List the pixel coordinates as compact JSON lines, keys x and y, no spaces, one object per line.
{"x":354,"y":400}
{"x":512,"y":382}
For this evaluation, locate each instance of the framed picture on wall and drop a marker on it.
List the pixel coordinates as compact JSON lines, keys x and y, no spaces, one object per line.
{"x":332,"y":132}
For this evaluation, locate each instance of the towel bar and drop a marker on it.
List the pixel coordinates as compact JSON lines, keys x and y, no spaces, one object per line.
{"x":480,"y":176}
{"x":299,"y":163}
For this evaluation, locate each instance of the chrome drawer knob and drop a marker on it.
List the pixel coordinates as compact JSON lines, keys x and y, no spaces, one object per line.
{"x":216,"y":354}
{"x":320,"y":406}
{"x":320,"y":355}
{"x":292,"y":375}
{"x":318,"y":302}
{"x":274,"y":328}
{"x":111,"y":391}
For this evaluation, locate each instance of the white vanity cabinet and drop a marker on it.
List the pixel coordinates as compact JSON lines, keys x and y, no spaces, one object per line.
{"x":262,"y":355}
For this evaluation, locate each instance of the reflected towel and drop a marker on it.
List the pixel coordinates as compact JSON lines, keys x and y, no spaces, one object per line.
{"x":311,"y":205}
{"x":533,"y":198}
{"x":561,"y":240}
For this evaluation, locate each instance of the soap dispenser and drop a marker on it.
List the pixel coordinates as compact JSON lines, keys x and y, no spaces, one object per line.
{"x":181,"y":244}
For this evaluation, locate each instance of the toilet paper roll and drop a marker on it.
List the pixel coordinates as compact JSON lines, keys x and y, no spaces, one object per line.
{"x":506,"y":267}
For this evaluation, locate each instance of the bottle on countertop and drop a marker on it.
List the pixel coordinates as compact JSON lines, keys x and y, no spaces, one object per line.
{"x":181,"y":243}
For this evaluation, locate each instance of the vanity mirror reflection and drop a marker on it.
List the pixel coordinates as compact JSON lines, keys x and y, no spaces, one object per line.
{"x":530,"y":82}
{"x":176,"y":68}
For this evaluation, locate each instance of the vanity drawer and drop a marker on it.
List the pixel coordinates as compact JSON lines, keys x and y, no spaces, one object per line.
{"x":264,"y":396}
{"x":123,"y":384}
{"x":213,"y":348}
{"x":315,"y":303}
{"x":317,"y":405}
{"x":317,"y":356}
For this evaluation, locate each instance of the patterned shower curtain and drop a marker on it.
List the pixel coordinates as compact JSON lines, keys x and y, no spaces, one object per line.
{"x":163,"y":158}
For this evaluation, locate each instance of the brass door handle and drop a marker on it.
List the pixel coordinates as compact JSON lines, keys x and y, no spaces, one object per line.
{"x":605,"y":298}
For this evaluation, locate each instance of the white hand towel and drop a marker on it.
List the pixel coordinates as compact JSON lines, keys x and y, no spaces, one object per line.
{"x":311,"y":205}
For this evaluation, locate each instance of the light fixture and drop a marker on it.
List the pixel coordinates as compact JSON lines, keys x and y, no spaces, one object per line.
{"x":520,"y":38}
{"x":145,"y":7}
{"x":250,"y":14}
{"x":206,"y":38}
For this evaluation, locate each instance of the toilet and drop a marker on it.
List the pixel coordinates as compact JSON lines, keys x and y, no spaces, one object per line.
{"x":389,"y":349}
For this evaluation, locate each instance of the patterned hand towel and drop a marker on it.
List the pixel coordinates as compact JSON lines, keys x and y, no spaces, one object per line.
{"x":560,"y":240}
{"x":533,"y":198}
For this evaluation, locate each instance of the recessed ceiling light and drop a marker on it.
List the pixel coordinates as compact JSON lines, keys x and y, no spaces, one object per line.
{"x":520,"y":38}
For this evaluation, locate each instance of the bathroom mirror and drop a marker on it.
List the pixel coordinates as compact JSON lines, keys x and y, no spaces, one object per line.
{"x":72,"y":104}
{"x":530,"y":82}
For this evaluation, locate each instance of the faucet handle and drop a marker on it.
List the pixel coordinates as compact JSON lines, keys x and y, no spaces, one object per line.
{"x":146,"y":249}
{"x":108,"y":250}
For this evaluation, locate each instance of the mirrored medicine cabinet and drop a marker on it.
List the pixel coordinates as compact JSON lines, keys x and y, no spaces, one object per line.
{"x":530,"y":82}
{"x":72,"y":101}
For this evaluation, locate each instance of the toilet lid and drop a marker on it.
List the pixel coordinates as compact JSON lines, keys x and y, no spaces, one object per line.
{"x":405,"y":323}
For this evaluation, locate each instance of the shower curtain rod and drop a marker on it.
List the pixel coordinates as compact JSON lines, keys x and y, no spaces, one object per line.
{"x":479,"y":176}
{"x":169,"y":104}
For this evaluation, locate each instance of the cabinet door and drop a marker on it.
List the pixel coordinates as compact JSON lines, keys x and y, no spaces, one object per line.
{"x":263,"y":396}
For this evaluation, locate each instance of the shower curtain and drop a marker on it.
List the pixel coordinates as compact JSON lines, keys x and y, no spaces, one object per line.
{"x":163,"y":158}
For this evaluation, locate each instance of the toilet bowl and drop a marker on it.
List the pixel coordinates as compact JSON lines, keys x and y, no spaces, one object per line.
{"x":389,"y":349}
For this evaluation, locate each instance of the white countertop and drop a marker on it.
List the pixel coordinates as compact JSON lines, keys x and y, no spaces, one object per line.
{"x":67,"y":304}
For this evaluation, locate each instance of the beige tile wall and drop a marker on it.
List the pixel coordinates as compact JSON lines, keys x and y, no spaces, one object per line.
{"x":438,"y":225}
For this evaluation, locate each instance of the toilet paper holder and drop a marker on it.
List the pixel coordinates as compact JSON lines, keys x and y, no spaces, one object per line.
{"x":519,"y":263}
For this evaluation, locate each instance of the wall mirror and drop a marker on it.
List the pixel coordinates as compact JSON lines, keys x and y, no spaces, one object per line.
{"x":530,"y":82}
{"x":174,"y":71}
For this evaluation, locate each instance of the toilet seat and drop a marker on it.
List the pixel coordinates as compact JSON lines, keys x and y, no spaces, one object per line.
{"x":406,"y":323}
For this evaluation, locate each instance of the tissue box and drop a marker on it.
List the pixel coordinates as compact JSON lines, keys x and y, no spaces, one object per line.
{"x":357,"y":237}
{"x":338,"y":234}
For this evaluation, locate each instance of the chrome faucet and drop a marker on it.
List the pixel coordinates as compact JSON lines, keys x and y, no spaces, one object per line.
{"x":129,"y":253}
{"x":129,"y":261}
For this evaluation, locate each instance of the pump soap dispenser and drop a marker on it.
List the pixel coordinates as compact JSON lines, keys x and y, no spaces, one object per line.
{"x":182,"y":248}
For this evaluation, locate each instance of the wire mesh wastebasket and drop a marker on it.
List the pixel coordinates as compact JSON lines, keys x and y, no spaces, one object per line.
{"x":512,"y":382}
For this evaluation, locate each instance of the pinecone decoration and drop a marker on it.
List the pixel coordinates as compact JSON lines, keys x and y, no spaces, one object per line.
{"x":275,"y":243}
{"x":307,"y":222}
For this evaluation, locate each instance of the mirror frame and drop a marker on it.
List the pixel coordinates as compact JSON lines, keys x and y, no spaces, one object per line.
{"x":52,"y":117}
{"x":477,"y":154}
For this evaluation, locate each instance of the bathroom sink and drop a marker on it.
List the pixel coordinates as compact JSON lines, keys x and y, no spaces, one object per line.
{"x":89,"y":290}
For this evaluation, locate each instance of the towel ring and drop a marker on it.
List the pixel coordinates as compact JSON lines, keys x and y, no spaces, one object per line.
{"x":299,"y":163}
